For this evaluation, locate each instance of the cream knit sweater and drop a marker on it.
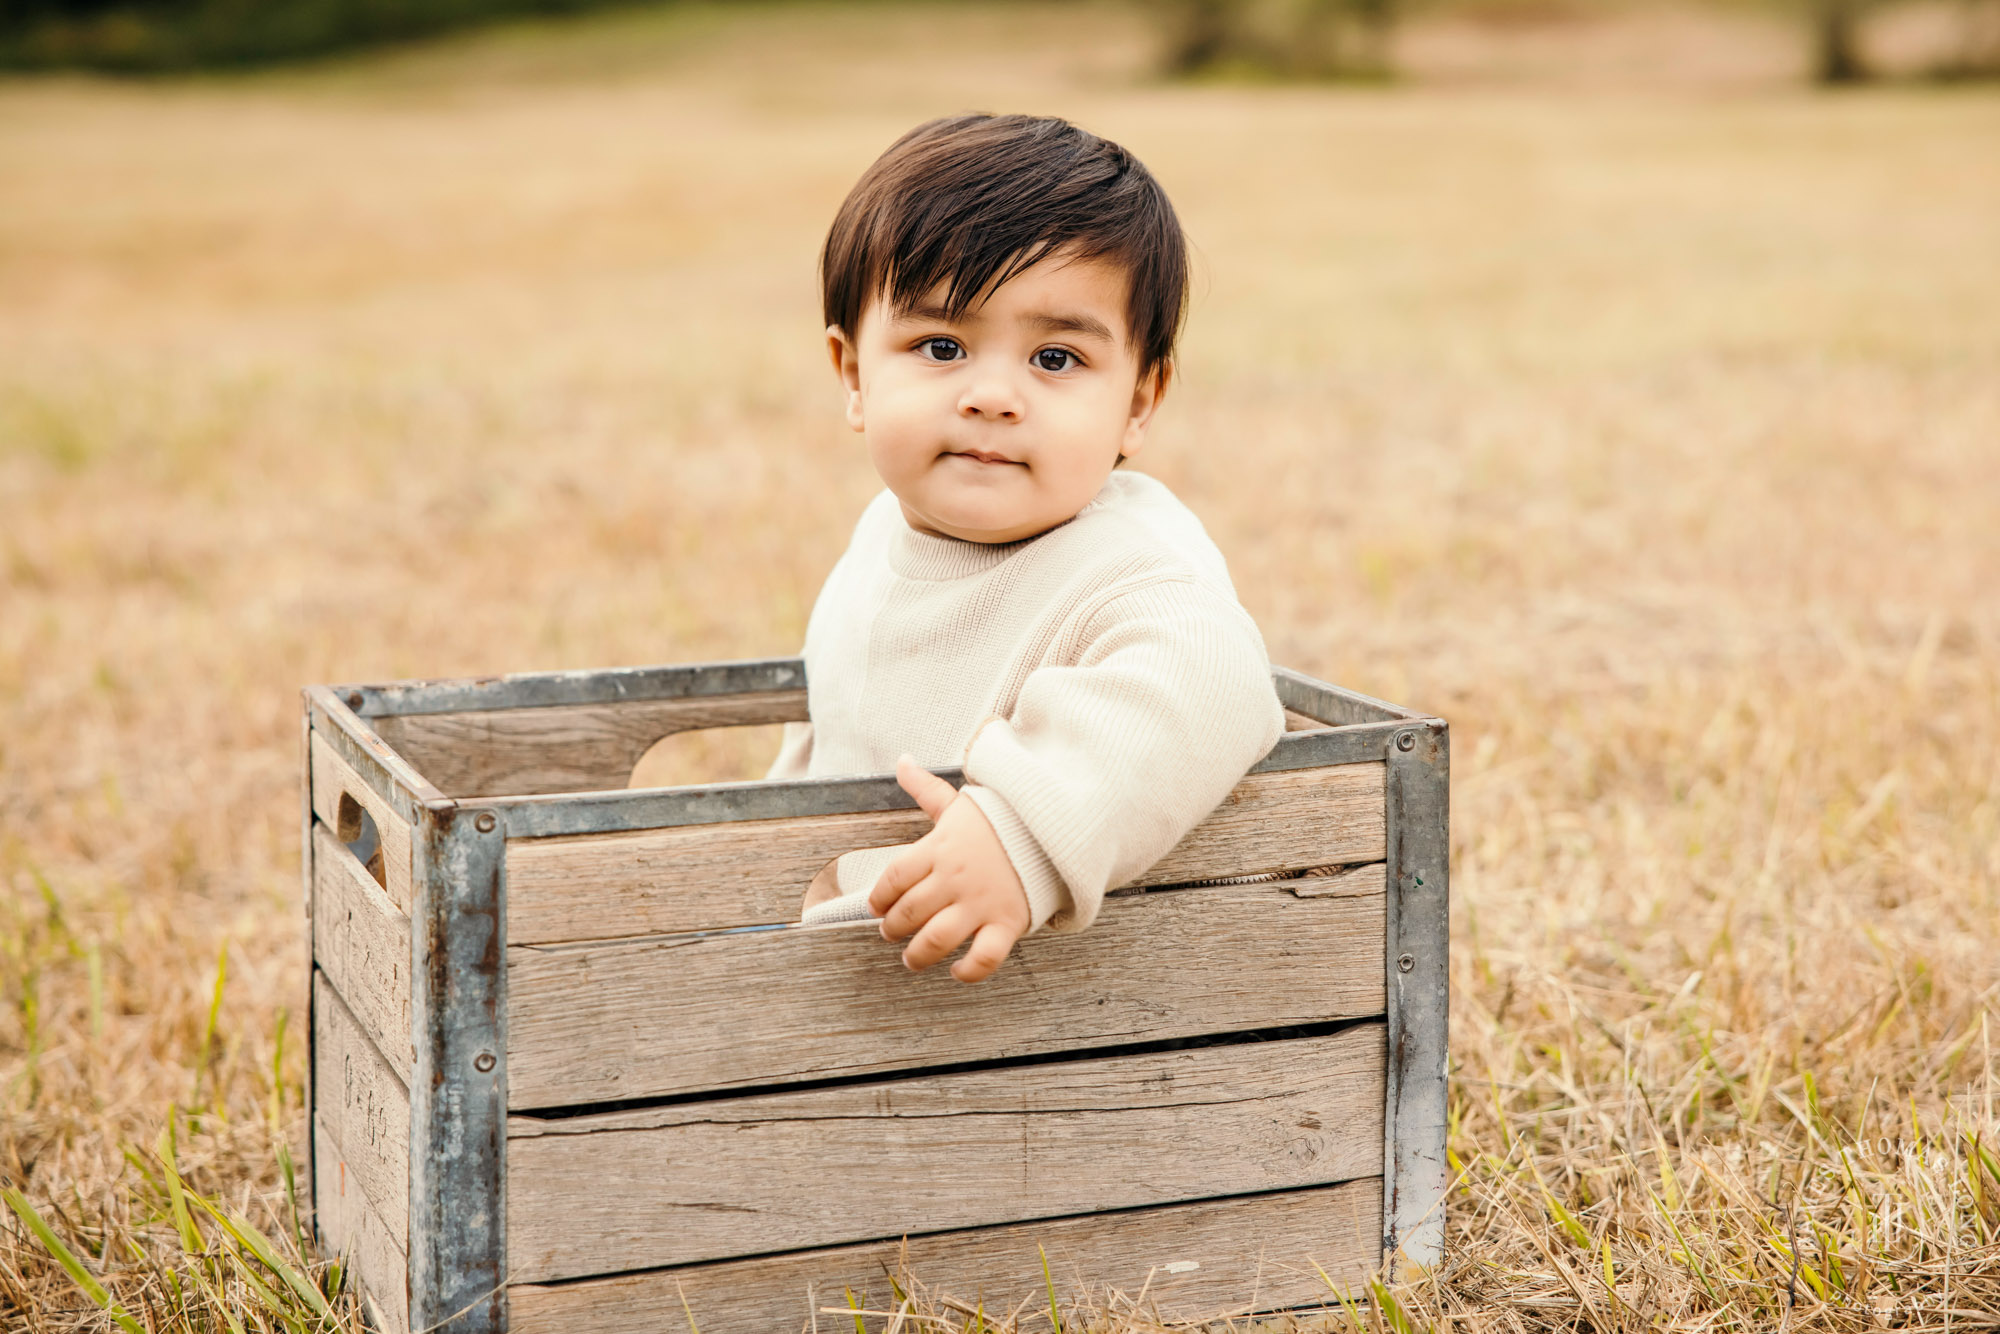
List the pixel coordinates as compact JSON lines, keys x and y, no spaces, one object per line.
{"x":1100,"y":684}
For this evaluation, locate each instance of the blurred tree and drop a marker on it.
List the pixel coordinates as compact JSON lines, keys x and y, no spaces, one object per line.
{"x":1978,"y":55}
{"x":144,"y":35}
{"x":1298,"y":38}
{"x":1836,"y":41}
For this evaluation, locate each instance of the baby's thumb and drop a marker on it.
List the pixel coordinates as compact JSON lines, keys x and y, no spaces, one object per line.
{"x":932,"y":793}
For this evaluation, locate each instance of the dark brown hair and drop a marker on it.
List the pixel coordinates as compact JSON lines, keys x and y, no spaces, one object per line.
{"x":968,"y":202}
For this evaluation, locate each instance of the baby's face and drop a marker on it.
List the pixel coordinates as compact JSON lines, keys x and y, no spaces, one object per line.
{"x":1005,"y":422}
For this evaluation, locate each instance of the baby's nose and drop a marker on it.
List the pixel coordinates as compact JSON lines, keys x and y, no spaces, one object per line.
{"x":992,"y":397}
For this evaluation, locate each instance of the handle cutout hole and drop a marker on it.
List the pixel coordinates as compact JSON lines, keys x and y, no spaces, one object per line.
{"x":709,"y":755}
{"x":355,"y":828}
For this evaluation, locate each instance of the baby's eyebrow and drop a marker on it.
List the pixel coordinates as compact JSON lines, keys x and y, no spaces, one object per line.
{"x":924,"y":313}
{"x":1088,"y":325}
{"x":1050,"y":322}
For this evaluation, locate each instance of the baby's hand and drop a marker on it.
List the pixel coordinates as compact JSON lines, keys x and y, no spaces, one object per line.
{"x":952,"y":884}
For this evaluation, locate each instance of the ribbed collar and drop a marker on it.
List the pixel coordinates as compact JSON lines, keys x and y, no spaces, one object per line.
{"x":935,"y":559}
{"x":916,"y":555}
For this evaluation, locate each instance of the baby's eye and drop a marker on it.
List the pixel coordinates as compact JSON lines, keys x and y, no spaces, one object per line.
{"x":1055,"y":359}
{"x":940,"y":349}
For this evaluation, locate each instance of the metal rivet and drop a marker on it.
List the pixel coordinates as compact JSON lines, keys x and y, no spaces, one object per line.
{"x":354,"y":699}
{"x":483,"y":1063}
{"x":1407,"y":962}
{"x":1406,"y":741}
{"x":484,"y":824}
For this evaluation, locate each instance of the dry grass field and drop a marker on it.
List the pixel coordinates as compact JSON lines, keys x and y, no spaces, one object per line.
{"x":1649,"y":433}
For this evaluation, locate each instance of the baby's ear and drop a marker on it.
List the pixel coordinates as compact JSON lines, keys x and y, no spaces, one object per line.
{"x":847,"y":365}
{"x":1146,"y":396}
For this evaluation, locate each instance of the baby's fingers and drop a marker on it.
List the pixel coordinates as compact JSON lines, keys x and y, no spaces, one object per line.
{"x":989,"y":950}
{"x":903,"y":873}
{"x":915,"y":907}
{"x":941,"y":935}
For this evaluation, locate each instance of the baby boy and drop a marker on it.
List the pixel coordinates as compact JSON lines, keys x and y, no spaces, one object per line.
{"x":1002,"y":296}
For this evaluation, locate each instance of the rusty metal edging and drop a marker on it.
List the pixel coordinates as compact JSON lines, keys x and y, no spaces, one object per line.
{"x":1331,"y":704}
{"x":1334,"y":705}
{"x":306,"y":868}
{"x":1418,"y":970}
{"x":458,"y":1095}
{"x":541,"y":690}
{"x":408,"y":792}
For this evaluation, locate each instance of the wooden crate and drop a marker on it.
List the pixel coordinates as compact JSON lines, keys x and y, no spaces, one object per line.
{"x":568,"y":1074}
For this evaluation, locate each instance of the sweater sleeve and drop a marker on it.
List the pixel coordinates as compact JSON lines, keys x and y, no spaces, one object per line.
{"x":1103,"y":766}
{"x":794,"y":754}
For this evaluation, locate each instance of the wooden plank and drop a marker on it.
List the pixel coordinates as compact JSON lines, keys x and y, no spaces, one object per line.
{"x":561,"y":814}
{"x":708,"y":1180}
{"x":364,"y":1107}
{"x":1261,"y":1253}
{"x":704,"y":877}
{"x":564,"y":748}
{"x":334,"y":779}
{"x":362,"y":942}
{"x":349,"y":1227}
{"x":681,"y":1014}
{"x":750,"y":872}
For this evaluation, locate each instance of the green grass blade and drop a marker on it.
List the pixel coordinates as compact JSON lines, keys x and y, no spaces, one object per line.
{"x":1347,"y":1303}
{"x":1392,"y":1310}
{"x":216,"y":1299}
{"x":267,"y":1255}
{"x":1569,"y":1222}
{"x":201,"y":1054}
{"x":82,"y":1277}
{"x":299,"y":1242}
{"x":860,"y":1326}
{"x":277,"y":1111}
{"x":192,"y":1241}
{"x":1055,"y":1316}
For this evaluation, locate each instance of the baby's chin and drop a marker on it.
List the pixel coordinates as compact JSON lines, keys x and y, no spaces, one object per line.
{"x":985,"y":518}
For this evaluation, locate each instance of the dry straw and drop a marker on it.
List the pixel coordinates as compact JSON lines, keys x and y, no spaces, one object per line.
{"x":1649,"y":439}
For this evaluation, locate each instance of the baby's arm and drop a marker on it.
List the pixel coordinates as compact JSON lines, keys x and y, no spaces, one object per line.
{"x":1101,"y":768}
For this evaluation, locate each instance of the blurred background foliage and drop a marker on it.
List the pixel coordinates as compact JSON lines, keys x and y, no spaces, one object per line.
{"x":1257,"y":39}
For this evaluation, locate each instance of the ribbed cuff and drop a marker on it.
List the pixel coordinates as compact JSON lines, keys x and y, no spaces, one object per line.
{"x":858,"y":871}
{"x":1047,"y":894}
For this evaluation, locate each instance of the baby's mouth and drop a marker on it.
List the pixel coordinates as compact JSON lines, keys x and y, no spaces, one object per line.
{"x":981,"y":456}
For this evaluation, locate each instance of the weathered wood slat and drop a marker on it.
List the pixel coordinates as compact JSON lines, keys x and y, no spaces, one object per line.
{"x":698,"y":878}
{"x":332,"y":779}
{"x":705,"y":877}
{"x":1191,"y":1260}
{"x":364,"y":1107}
{"x":350,"y":1227}
{"x":362,"y":943}
{"x":704,"y":1181}
{"x":564,"y":748}
{"x":639,"y":1019}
